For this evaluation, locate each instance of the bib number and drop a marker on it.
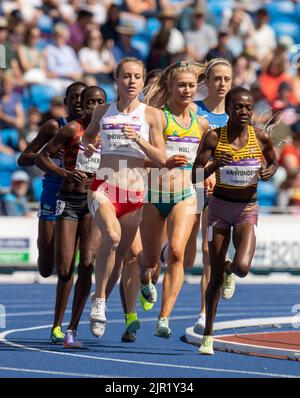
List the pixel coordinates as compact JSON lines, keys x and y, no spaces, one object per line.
{"x":240,"y":176}
{"x":88,"y":165}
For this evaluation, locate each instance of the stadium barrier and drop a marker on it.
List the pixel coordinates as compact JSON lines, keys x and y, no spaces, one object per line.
{"x":277,"y":247}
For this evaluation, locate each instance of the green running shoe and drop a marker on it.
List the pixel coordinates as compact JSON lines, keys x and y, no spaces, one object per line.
{"x":145,"y":304}
{"x":57,"y":336}
{"x":133,"y":324}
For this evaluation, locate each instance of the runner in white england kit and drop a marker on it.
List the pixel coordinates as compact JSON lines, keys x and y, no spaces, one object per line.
{"x":126,"y":130}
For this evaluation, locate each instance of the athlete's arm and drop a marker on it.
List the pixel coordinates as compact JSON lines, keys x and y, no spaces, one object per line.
{"x":206,"y":148}
{"x":53,"y":147}
{"x":269,"y":154}
{"x":203,"y":124}
{"x":94,"y":127}
{"x":155,"y":148}
{"x":29,"y":155}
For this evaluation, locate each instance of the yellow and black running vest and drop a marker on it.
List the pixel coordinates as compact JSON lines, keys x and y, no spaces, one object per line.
{"x":246,"y":162}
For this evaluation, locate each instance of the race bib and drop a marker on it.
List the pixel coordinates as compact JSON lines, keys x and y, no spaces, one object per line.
{"x":241,"y":173}
{"x":88,"y":165}
{"x":60,"y":206}
{"x":116,"y":139}
{"x":183,"y":146}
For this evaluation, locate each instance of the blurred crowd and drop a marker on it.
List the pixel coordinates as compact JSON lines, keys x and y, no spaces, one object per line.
{"x":48,"y":44}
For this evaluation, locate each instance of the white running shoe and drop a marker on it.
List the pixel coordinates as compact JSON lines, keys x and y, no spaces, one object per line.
{"x":207,"y":345}
{"x":200,"y":324}
{"x":70,"y":340}
{"x":97,"y":316}
{"x":228,"y":286}
{"x":149,"y":292}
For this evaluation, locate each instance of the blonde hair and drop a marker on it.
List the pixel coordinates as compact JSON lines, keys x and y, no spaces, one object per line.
{"x":216,"y":61}
{"x":133,"y":60}
{"x":157,"y":94}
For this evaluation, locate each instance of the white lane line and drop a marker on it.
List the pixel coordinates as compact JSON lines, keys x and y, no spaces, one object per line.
{"x":33,"y":313}
{"x":107,"y":359}
{"x":39,"y":371}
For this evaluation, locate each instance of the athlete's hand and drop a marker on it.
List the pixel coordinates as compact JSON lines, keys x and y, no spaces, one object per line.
{"x":265,"y":174}
{"x":176,"y":161}
{"x":130,"y":133}
{"x":75,"y":176}
{"x":209,"y":184}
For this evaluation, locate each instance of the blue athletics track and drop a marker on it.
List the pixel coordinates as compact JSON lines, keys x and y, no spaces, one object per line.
{"x":26,"y":351}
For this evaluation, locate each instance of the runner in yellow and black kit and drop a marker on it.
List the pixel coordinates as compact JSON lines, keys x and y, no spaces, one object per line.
{"x":241,"y":153}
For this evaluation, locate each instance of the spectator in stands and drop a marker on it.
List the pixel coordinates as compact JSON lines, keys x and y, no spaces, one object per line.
{"x":79,"y":29}
{"x":57,"y":110}
{"x":244,"y":74}
{"x":62,"y":63}
{"x":10,"y":54}
{"x":33,"y":124}
{"x":69,"y":10}
{"x":140,"y":6}
{"x":221,"y":50}
{"x":176,"y":44}
{"x":262,"y":111}
{"x":30,"y":57}
{"x":270,"y":79}
{"x":15,"y":202}
{"x":290,"y":160}
{"x":201,"y":38}
{"x":98,"y":9}
{"x":159,"y":57}
{"x":108,"y":29}
{"x":263,"y":39}
{"x":239,"y":28}
{"x":123,"y":47}
{"x":16,"y":27}
{"x":12,"y":116}
{"x":52,"y":9}
{"x":177,"y":5}
{"x":296,"y":85}
{"x":96,"y":57}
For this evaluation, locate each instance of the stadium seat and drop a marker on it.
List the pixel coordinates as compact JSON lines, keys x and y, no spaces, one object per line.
{"x":141,"y":43}
{"x":297,"y":11}
{"x":282,"y":11}
{"x":10,"y":137}
{"x":45,"y":24}
{"x":7,"y":166}
{"x":38,"y":96}
{"x":37,"y":186}
{"x":217,"y":7}
{"x":110,"y":91}
{"x":153,"y":26}
{"x":266,"y":193}
{"x":287,"y":29}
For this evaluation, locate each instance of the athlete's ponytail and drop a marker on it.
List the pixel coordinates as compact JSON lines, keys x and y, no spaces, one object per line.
{"x":158,"y":93}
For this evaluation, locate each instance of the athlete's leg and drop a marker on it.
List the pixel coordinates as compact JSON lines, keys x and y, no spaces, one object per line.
{"x":65,"y":253}
{"x":45,"y":243}
{"x":179,"y":227}
{"x":244,"y":241}
{"x":191,"y":246}
{"x":205,"y":260}
{"x":129,"y":224}
{"x":89,"y":236}
{"x":152,"y":227}
{"x":130,"y":281}
{"x":218,"y":246}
